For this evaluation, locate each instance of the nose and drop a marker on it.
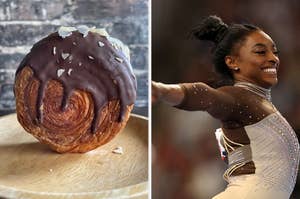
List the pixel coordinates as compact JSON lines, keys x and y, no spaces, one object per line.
{"x":273,"y":58}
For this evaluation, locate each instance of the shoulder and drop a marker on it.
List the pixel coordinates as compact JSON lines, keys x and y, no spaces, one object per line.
{"x":239,"y":94}
{"x":229,"y":89}
{"x":229,"y":92}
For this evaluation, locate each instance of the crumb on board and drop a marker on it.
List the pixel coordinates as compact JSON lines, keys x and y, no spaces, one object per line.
{"x":118,"y":150}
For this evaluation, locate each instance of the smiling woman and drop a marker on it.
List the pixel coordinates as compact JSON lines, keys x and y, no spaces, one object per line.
{"x":258,"y":60}
{"x":260,"y":147}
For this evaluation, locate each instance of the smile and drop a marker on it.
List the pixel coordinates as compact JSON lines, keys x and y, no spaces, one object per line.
{"x":270,"y":70}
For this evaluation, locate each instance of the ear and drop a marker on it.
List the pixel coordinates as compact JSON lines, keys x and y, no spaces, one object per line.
{"x":231,"y":62}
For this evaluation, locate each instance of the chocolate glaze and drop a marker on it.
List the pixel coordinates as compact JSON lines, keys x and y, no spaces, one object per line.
{"x":103,"y":70}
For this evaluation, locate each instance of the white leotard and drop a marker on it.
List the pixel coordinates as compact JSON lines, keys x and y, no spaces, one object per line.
{"x":275,"y":151}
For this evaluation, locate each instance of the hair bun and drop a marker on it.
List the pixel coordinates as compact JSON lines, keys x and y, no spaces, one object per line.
{"x":211,"y":28}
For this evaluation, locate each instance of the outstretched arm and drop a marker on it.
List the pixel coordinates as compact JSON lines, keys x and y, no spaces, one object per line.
{"x":171,"y":94}
{"x":195,"y":96}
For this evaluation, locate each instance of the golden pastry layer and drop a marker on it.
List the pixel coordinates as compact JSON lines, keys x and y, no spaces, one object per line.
{"x":75,"y":92}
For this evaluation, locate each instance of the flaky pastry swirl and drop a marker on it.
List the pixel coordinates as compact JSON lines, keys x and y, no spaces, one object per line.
{"x":77,"y":104}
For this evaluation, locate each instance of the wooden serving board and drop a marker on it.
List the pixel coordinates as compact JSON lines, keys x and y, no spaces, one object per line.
{"x":29,"y":169}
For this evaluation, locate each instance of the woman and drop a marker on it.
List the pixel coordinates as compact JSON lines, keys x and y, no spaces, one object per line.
{"x":261,"y":148}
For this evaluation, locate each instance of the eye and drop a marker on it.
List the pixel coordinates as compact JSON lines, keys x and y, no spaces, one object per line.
{"x":276,"y":52}
{"x":261,"y":52}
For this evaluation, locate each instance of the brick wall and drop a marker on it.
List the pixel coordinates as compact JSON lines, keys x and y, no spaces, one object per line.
{"x":22,"y":23}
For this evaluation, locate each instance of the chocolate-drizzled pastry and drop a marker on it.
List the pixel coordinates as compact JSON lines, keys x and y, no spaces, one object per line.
{"x":75,"y":89}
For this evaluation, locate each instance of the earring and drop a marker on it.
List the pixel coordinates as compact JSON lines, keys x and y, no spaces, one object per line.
{"x":236,"y":68}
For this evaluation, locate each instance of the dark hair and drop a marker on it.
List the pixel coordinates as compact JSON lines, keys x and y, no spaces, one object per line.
{"x":226,"y":39}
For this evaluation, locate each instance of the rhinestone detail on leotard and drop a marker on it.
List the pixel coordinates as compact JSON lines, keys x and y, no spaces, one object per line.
{"x":275,"y":151}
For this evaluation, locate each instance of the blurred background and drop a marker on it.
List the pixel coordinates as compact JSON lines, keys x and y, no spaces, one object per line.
{"x":186,"y":162}
{"x":23,"y":23}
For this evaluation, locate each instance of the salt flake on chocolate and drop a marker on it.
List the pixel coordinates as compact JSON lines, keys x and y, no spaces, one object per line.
{"x":65,"y":55}
{"x":54,"y":50}
{"x":100,"y":31}
{"x":101,"y":44}
{"x":119,"y":59}
{"x":42,"y":107}
{"x":83,"y":29}
{"x":59,"y":72}
{"x":117,"y":44}
{"x":64,"y":31}
{"x":69,"y":71}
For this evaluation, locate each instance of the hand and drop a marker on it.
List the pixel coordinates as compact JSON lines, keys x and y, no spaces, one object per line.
{"x":156,"y":89}
{"x":171,"y":94}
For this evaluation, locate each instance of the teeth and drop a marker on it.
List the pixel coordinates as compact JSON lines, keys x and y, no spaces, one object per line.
{"x":270,"y":70}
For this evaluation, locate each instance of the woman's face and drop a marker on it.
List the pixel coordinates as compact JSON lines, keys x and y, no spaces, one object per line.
{"x":257,"y":60}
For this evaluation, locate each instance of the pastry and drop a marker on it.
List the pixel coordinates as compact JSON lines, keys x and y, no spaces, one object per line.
{"x":75,"y":89}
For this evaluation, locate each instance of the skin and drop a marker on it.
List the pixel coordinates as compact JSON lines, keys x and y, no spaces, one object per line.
{"x":233,"y":106}
{"x":257,"y":53}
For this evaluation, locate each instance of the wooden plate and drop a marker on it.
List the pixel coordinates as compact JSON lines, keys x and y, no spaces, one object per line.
{"x":29,"y":169}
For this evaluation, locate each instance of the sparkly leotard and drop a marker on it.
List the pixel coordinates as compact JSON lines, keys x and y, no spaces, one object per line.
{"x":274,"y":149}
